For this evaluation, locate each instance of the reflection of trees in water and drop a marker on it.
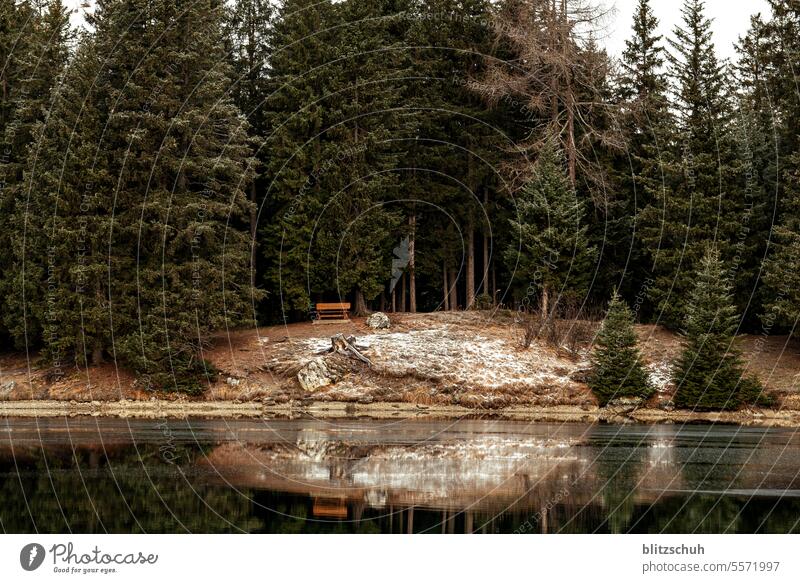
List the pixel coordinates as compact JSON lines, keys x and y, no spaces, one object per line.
{"x":642,"y":480}
{"x":62,"y":499}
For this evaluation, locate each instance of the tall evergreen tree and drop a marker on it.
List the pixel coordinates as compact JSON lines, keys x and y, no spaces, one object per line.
{"x":769,"y":58}
{"x":617,"y":366}
{"x":646,"y":122}
{"x":146,"y":246}
{"x":300,"y":48}
{"x":696,"y":197}
{"x":17,"y":24}
{"x":39,"y":63}
{"x":551,"y":254}
{"x":247,"y":31}
{"x":364,"y":118}
{"x":709,"y":374}
{"x":458,"y":142}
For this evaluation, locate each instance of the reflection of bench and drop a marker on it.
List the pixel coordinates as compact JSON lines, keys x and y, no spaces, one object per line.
{"x":329,"y":508}
{"x":332,"y":313}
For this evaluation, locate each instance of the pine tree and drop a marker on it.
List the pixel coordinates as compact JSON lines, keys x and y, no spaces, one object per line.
{"x":782,"y":273}
{"x":646,"y":122}
{"x":458,"y":144}
{"x":364,"y":117}
{"x":53,"y":241}
{"x":144,"y":162}
{"x":769,"y":55}
{"x":18,"y":21}
{"x":550,"y":253}
{"x":617,"y":367}
{"x":247,"y":32}
{"x":696,"y":197}
{"x":40,"y":62}
{"x":300,"y":47}
{"x":709,"y":374}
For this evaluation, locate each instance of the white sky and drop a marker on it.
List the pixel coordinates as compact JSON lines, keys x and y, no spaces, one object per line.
{"x":730,"y":20}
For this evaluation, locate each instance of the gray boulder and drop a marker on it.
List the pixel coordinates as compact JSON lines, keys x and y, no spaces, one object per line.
{"x":378,"y":321}
{"x":315,"y":375}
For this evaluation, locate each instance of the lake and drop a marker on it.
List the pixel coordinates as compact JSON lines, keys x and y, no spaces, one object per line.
{"x":92,"y":474}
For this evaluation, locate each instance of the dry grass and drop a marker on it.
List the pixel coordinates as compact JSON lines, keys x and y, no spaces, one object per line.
{"x":464,"y":358}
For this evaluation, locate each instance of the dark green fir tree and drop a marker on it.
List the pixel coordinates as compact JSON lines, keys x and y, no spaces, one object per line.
{"x":646,"y":123}
{"x":694,"y":197}
{"x":248,"y":27}
{"x":301,"y":44}
{"x":142,"y":188}
{"x":40,"y":59}
{"x":617,"y":366}
{"x":550,"y":252}
{"x":710,"y":373}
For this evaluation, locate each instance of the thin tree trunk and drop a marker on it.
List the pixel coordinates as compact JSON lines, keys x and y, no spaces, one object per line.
{"x":383,"y":301}
{"x":569,"y":97}
{"x":554,"y":80}
{"x":403,"y":292}
{"x":412,"y":278}
{"x":486,"y":287}
{"x":494,"y":283}
{"x":572,"y":153}
{"x":97,"y":355}
{"x":453,"y":289}
{"x":545,"y":302}
{"x":253,"y":225}
{"x":394,"y":299}
{"x":445,"y":288}
{"x":470,"y":296}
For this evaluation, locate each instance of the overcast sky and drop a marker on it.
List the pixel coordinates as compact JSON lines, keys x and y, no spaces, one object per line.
{"x":731,"y":19}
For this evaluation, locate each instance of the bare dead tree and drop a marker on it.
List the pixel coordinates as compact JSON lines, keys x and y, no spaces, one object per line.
{"x":556,"y":79}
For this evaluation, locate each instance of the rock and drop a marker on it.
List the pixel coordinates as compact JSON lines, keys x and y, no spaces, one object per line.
{"x":315,"y":375}
{"x":617,"y":409}
{"x":666,"y":405}
{"x":625,"y":403}
{"x":378,"y":321}
{"x":6,"y":388}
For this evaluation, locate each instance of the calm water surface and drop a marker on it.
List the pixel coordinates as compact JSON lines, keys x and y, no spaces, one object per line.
{"x":210,"y":475}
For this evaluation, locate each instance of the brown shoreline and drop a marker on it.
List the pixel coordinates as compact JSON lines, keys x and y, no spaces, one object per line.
{"x":155,"y":409}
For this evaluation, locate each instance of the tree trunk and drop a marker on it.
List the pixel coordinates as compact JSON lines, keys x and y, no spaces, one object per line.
{"x":470,"y":296}
{"x":572,"y":153}
{"x":403,"y":292}
{"x":97,"y":355}
{"x":487,"y":289}
{"x":412,"y":280}
{"x":253,"y":225}
{"x":453,"y":289}
{"x":445,"y":288}
{"x":394,"y":299}
{"x":545,"y":302}
{"x":494,"y":283}
{"x":383,"y":301}
{"x":360,"y":308}
{"x":569,"y":97}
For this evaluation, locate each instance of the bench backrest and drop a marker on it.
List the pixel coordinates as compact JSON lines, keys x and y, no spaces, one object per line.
{"x":343,"y":306}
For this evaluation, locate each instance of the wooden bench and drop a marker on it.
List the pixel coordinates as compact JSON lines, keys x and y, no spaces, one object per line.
{"x":331,"y":313}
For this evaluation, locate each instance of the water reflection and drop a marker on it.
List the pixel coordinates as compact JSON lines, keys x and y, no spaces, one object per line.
{"x":113,"y":475}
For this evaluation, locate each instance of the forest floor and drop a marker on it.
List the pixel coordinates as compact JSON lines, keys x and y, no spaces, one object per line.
{"x":446,"y":362}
